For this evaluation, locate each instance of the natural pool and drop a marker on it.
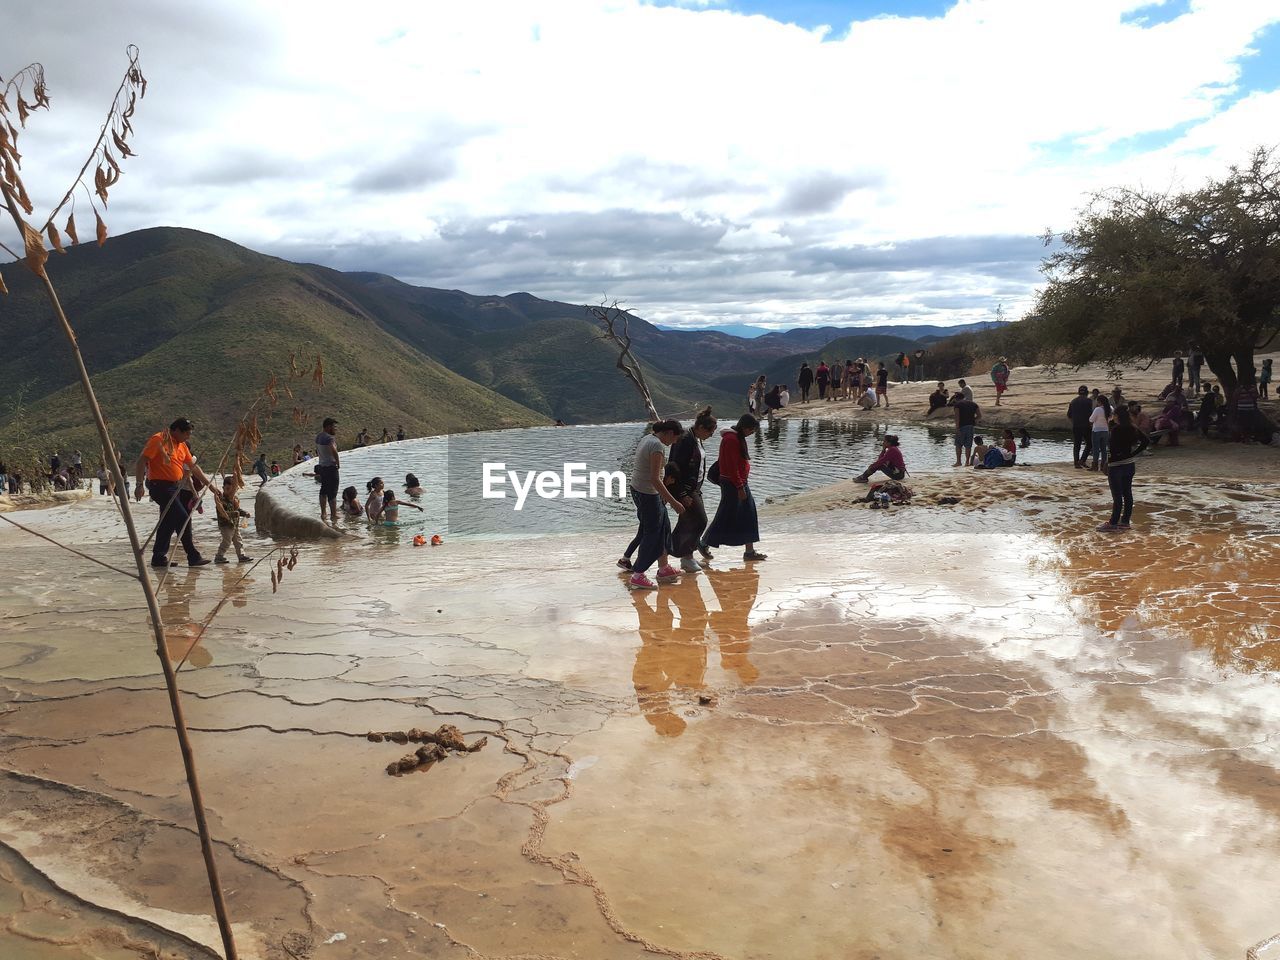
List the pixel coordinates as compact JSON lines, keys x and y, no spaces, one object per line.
{"x":788,"y":456}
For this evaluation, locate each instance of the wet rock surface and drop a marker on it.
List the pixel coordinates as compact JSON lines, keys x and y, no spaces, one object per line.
{"x":984,"y":732}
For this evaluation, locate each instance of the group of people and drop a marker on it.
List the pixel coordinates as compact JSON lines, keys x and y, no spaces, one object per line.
{"x":659,"y":481}
{"x":362,"y":438}
{"x":168,"y":473}
{"x":854,"y":380}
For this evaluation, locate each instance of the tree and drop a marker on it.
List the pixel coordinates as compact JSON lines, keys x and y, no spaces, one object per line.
{"x":1143,"y":274}
{"x":607,"y":316}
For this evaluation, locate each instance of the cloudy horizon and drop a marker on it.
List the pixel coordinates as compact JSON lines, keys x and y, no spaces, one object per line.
{"x":830,"y":162}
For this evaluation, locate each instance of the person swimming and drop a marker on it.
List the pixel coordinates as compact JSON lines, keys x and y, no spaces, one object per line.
{"x":411,"y":486}
{"x":391,"y":508}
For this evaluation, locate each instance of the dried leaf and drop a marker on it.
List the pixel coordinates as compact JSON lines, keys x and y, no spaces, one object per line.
{"x":54,"y":239}
{"x":3,"y":288}
{"x":23,"y":111}
{"x":102,"y":228}
{"x":275,"y":583}
{"x":71,"y":229}
{"x":318,"y":376}
{"x":36,"y":253}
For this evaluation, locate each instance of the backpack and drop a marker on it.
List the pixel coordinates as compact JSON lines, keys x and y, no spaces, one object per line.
{"x":713,"y":472}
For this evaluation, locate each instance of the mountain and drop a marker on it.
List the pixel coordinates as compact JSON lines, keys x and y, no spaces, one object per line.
{"x":174,"y":322}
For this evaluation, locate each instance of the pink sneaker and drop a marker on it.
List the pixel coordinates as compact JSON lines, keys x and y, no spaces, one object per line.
{"x":638,"y":581}
{"x":668,"y":574}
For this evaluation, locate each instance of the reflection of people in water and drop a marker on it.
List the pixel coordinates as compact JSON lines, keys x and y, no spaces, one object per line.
{"x":736,"y":591}
{"x":672,"y":659}
{"x":182,"y":635}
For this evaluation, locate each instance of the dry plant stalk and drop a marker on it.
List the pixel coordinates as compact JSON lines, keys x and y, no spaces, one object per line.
{"x":116,"y":130}
{"x":608,"y":315}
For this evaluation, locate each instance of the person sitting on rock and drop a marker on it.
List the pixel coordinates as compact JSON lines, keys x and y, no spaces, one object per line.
{"x":937,"y":399}
{"x":890,"y":462}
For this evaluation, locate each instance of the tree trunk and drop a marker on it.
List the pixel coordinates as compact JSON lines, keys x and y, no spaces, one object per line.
{"x":1244,"y":365}
{"x":1219,"y":362}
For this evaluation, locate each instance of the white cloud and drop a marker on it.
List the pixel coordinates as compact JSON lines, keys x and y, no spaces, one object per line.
{"x":317,"y":124}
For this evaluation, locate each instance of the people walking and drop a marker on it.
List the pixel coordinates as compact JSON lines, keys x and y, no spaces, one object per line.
{"x":686,"y":471}
{"x":227,"y":507}
{"x":327,"y":468}
{"x":1126,"y":442}
{"x":160,"y":469}
{"x":736,"y":522}
{"x":1000,"y":377}
{"x":260,"y":468}
{"x":650,"y":493}
{"x":882,"y":386}
{"x":757,"y":396}
{"x":1178,"y":366}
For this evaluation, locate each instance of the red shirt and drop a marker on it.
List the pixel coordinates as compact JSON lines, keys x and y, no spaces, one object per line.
{"x":733,"y":468}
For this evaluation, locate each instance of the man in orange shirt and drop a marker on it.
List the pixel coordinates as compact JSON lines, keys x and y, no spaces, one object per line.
{"x":165,"y":460}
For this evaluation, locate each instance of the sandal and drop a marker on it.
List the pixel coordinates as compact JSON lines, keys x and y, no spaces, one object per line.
{"x":754,"y":555}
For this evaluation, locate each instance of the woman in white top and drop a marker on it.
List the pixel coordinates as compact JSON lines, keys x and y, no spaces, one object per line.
{"x":649,"y":493}
{"x":1101,"y":435}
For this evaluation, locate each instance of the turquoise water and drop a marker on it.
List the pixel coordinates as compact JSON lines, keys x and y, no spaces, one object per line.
{"x":788,"y":457}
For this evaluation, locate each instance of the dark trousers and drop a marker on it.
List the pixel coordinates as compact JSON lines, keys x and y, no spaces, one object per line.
{"x":1193,"y":379}
{"x":1080,"y":443}
{"x":655,"y":529}
{"x":688,"y":531}
{"x":804,"y":393}
{"x":174,"y":519}
{"x":822,"y":390}
{"x":893,"y":473}
{"x":1120,"y":480}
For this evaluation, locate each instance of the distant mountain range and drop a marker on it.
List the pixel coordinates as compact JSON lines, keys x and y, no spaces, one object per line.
{"x":175,"y":322}
{"x":809,"y":337}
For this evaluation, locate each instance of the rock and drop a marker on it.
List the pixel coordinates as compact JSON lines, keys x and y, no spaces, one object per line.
{"x":374,"y":737}
{"x":408,"y":762}
{"x":478,"y":745}
{"x":416,"y":735}
{"x":448,"y":736}
{"x":398,"y":736}
{"x":706,"y":699}
{"x":393,"y":768}
{"x":431,"y":753}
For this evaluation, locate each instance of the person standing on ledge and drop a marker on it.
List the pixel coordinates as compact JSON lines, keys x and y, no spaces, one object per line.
{"x":1078,"y":412}
{"x":1000,"y":377}
{"x":805,"y":379}
{"x":160,"y":469}
{"x":327,"y":468}
{"x":399,"y":432}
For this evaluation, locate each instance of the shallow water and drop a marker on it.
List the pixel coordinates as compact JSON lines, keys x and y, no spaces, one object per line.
{"x":927,"y":733}
{"x":788,"y":456}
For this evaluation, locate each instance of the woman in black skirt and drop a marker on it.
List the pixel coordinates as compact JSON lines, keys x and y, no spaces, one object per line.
{"x":735,"y":523}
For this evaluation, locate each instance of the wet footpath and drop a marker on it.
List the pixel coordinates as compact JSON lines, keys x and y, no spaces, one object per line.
{"x":926,"y":732}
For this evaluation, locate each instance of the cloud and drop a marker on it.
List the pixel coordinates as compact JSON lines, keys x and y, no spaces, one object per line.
{"x":900,"y":167}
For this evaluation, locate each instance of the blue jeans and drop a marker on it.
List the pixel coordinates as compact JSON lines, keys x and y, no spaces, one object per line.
{"x":655,"y":529}
{"x":1101,"y":446}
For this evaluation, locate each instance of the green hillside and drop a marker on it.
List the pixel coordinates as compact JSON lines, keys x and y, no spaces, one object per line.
{"x":192,"y":325}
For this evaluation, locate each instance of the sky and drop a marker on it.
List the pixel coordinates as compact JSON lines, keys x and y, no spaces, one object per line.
{"x":838,"y":162}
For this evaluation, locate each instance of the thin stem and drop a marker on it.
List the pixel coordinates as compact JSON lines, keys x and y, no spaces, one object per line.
{"x":153,"y":604}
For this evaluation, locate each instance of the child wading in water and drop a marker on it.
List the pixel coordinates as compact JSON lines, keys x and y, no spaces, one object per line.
{"x":350,"y":505}
{"x":227,"y":505}
{"x":373,"y":505}
{"x":391,"y":508}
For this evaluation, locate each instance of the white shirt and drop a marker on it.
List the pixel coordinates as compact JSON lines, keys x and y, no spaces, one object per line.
{"x":1099,"y":420}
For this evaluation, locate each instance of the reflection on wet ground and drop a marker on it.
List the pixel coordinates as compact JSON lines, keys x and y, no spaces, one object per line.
{"x":924,"y":733}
